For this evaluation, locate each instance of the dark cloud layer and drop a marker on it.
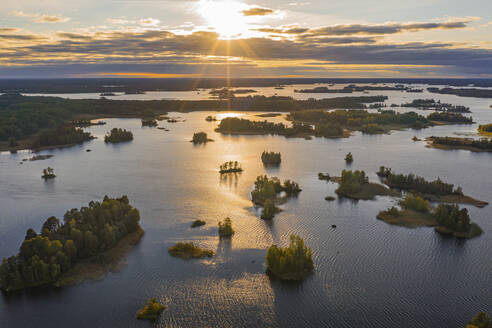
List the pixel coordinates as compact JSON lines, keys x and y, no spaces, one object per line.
{"x":167,"y":52}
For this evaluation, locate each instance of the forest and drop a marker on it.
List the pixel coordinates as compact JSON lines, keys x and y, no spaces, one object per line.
{"x":267,"y":190}
{"x":449,"y":117}
{"x":271,"y":158}
{"x":43,"y":258}
{"x":23,"y":116}
{"x":61,"y":136}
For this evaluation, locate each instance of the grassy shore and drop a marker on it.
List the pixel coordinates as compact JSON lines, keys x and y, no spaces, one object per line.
{"x":408,"y":218}
{"x":95,"y":268}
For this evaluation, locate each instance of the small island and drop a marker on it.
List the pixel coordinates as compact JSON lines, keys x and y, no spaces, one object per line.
{"x":446,"y":219}
{"x":356,"y":185}
{"x":349,"y":158}
{"x":449,"y":118}
{"x":230,"y":167}
{"x":451,"y":143}
{"x":150,"y":122}
{"x":225,"y":228}
{"x":188,"y":251}
{"x":48,"y":173}
{"x":65,"y":252}
{"x":436,"y":191}
{"x":481,"y":320}
{"x":290,"y":263}
{"x":200,"y":138}
{"x":117,"y":135}
{"x":485,"y":129}
{"x":267,"y":191}
{"x":151,"y":310}
{"x":431,"y":104}
{"x":271,"y":158}
{"x":63,"y":136}
{"x":210,"y":118}
{"x":86,"y":123}
{"x":198,"y":223}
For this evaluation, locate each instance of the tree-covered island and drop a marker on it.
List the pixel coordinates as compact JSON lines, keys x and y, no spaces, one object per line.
{"x":225,"y":228}
{"x":230,"y":167}
{"x":48,"y":173}
{"x":290,"y":263}
{"x":117,"y":135}
{"x":151,"y":310}
{"x":271,"y":158}
{"x":356,"y":185}
{"x":150,"y":122}
{"x":450,"y":143}
{"x":200,"y":138}
{"x":436,"y":191}
{"x":267,"y":193}
{"x":445,"y":218}
{"x":87,"y":244}
{"x":188,"y":251}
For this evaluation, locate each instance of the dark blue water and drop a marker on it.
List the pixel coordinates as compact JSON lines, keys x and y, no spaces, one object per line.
{"x":368,"y":273}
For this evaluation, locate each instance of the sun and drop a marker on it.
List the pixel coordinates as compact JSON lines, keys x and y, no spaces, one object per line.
{"x":225,"y":17}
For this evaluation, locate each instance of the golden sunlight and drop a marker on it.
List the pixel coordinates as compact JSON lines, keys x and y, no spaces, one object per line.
{"x":225,"y":17}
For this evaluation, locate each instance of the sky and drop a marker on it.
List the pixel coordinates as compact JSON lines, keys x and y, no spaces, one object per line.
{"x":242,"y":38}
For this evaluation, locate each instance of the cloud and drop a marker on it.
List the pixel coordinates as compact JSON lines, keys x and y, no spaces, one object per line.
{"x":370,"y":29}
{"x":40,"y":18}
{"x":257,"y":11}
{"x":149,"y":22}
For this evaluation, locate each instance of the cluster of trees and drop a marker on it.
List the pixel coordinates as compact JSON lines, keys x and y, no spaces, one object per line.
{"x":349,"y":158}
{"x":225,"y":228}
{"x":150,"y":122}
{"x":236,"y":125}
{"x":151,"y":310}
{"x":48,"y":173}
{"x":85,"y":123}
{"x":44,"y":257}
{"x":481,"y":320}
{"x":465,"y":92}
{"x":230,"y":167}
{"x":290,"y":263}
{"x":485,"y":128}
{"x":449,"y":117}
{"x":453,"y":218}
{"x":351,"y":182}
{"x":271,"y":158}
{"x":62,"y":135}
{"x":361,"y":119}
{"x":200,"y":137}
{"x":481,"y":144}
{"x":118,"y":135}
{"x":266,"y":192}
{"x":416,"y":183}
{"x":431,"y":104}
{"x":416,"y":203}
{"x":189,"y":251}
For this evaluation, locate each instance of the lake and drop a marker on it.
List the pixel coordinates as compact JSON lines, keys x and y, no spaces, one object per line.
{"x":367,"y":273}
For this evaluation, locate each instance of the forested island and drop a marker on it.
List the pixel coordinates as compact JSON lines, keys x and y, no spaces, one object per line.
{"x":445,"y":218}
{"x":353,"y":88}
{"x":334,"y":124}
{"x":436,"y":191}
{"x":485,"y":129}
{"x":481,"y":320}
{"x":150,"y":122}
{"x":65,"y":252}
{"x":266,"y":194}
{"x":62,"y":136}
{"x":230,"y":167}
{"x":349,"y":158}
{"x":200,"y":138}
{"x":198,"y":223}
{"x":48,"y":173}
{"x":449,"y":143}
{"x":431,"y":104}
{"x":290,"y":263}
{"x":356,"y":185}
{"x":188,"y":251}
{"x":271,"y":158}
{"x":151,"y":310}
{"x":225,"y":228}
{"x":463,"y":92}
{"x":226,"y":93}
{"x":86,"y":123}
{"x":117,"y":135}
{"x":450,"y":118}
